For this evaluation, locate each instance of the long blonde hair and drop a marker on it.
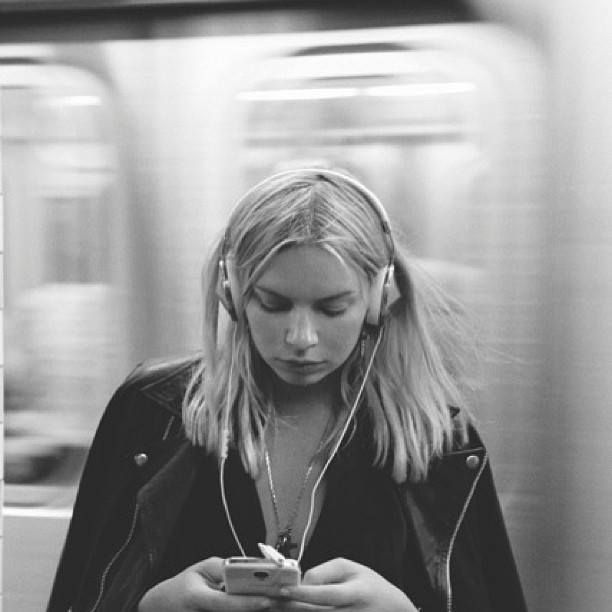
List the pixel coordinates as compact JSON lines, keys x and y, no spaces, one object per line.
{"x":417,"y":372}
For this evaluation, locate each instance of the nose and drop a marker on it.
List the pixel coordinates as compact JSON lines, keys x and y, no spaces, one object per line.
{"x":301,"y":332}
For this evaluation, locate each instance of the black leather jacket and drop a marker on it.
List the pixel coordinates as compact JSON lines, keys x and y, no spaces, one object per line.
{"x":140,"y":469}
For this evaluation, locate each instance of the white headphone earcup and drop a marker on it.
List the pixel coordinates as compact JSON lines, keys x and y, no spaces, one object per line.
{"x":383,"y":293}
{"x":226,"y":288}
{"x":376,"y":299}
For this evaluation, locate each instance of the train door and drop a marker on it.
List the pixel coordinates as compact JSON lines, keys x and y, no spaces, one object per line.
{"x":63,"y":299}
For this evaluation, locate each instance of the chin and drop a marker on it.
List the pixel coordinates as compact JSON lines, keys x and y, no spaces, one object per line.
{"x":300,"y":380}
{"x":326,"y":375}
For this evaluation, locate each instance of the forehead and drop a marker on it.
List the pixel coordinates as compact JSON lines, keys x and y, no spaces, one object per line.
{"x":310,"y":272}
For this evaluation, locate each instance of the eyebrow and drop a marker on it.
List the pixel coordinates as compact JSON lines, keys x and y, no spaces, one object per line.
{"x":328,"y":298}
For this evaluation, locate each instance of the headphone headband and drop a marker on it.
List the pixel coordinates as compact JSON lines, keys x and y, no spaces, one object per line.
{"x":370,"y":197}
{"x":382,"y":284}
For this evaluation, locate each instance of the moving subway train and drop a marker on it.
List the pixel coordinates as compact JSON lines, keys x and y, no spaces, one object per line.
{"x":128,"y":134}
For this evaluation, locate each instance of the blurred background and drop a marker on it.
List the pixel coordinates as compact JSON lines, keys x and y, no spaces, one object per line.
{"x":129,"y":128}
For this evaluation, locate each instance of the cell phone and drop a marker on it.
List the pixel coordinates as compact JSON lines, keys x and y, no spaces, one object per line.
{"x":255,"y":576}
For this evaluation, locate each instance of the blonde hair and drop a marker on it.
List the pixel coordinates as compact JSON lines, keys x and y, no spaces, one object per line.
{"x":417,"y":371}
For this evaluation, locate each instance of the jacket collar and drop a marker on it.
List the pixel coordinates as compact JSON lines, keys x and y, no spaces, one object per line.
{"x":165,"y":382}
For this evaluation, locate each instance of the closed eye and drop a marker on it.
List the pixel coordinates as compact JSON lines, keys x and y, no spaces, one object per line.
{"x":333,"y":311}
{"x":332,"y":306}
{"x":273,"y":305}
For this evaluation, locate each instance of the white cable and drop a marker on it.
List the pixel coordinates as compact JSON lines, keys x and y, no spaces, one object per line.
{"x":325,"y":466}
{"x":337,"y":445}
{"x":225,"y":448}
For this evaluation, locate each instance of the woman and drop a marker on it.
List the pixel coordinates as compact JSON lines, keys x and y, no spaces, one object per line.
{"x":318,"y":420}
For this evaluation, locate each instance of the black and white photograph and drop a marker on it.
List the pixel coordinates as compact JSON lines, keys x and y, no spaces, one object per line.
{"x":306,"y":305}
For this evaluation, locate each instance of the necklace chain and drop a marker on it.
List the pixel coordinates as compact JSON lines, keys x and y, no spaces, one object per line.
{"x":284,"y":535}
{"x":283,"y":541}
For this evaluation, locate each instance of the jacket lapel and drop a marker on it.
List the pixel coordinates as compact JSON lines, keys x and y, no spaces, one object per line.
{"x":436,"y":508}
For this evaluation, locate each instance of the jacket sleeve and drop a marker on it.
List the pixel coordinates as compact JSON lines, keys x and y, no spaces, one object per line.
{"x":89,"y":507}
{"x":483,"y":537}
{"x":136,"y":421}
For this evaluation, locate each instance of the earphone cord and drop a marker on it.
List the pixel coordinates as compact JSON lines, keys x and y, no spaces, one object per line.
{"x":337,"y":445}
{"x":335,"y":449}
{"x":225,"y":449}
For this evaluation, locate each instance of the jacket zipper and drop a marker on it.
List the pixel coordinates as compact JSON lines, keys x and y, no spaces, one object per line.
{"x":114,"y":559}
{"x":449,"y":600}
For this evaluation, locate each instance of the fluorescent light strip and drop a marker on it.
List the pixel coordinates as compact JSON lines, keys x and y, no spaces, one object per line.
{"x":328,"y":93}
{"x":40,"y":512}
{"x":300,"y":94}
{"x":418,"y":89}
{"x":74,"y":101}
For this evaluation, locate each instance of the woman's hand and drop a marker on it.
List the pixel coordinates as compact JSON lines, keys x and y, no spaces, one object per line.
{"x":198,"y":589}
{"x":346,"y":585}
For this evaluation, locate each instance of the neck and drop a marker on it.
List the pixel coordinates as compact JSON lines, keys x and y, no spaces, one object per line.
{"x":296,"y":401}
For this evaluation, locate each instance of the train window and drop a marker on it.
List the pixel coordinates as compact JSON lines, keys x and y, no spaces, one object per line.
{"x":62,"y":304}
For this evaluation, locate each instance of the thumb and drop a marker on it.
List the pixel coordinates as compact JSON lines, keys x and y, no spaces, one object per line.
{"x":210,"y":569}
{"x":330,"y":572}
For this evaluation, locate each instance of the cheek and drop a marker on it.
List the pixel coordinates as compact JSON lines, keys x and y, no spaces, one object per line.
{"x":263,"y":334}
{"x":340,"y":336}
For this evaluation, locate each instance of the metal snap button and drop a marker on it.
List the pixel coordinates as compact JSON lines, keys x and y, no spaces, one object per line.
{"x":140,"y":459}
{"x":473,"y":461}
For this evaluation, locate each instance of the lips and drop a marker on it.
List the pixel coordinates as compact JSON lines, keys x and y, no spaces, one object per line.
{"x":300,"y":364}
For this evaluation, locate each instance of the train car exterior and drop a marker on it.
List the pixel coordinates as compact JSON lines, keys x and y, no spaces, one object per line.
{"x":126,"y":142}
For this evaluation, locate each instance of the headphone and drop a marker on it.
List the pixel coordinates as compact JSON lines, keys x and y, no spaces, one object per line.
{"x":384,"y":289}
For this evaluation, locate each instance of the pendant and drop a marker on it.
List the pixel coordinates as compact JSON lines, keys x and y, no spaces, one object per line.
{"x":284,"y":545}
